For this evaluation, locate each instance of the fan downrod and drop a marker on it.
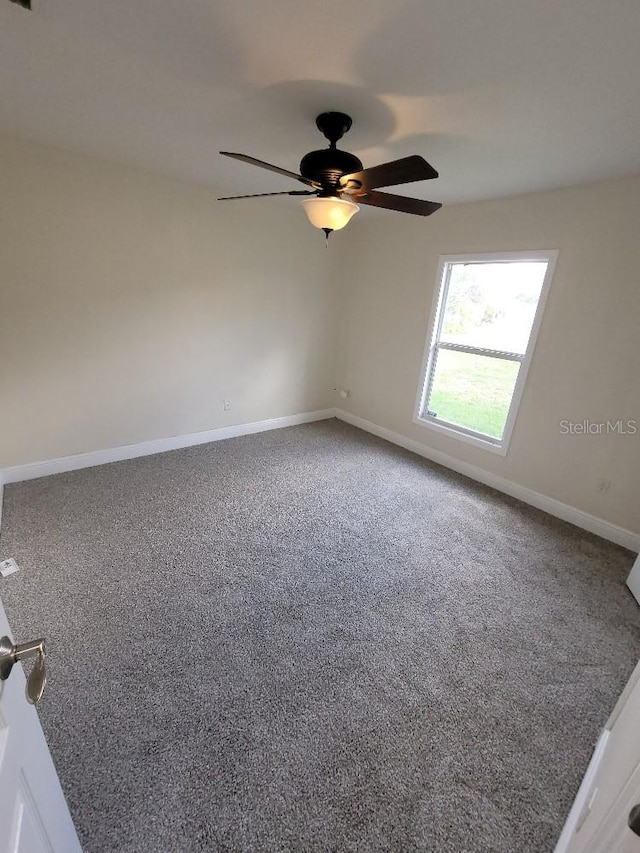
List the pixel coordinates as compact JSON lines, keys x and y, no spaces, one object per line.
{"x":333,"y":125}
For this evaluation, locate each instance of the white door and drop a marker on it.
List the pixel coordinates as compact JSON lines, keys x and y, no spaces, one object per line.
{"x":34,"y":816}
{"x":633,"y":581}
{"x":599,"y":819}
{"x":614,"y":834}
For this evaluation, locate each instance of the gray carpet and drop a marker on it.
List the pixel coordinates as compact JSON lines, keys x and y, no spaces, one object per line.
{"x":309,"y":640}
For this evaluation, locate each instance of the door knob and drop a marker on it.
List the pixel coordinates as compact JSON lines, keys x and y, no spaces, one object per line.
{"x":634,"y":819}
{"x":10,"y":653}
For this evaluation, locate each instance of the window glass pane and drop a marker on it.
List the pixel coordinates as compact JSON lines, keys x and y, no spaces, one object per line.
{"x":472,"y":391}
{"x":492,"y":305}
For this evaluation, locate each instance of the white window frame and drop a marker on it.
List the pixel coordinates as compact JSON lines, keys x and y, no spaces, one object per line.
{"x":436,"y":317}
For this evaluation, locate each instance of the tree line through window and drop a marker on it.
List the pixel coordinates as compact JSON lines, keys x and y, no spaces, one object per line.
{"x":485,"y":320}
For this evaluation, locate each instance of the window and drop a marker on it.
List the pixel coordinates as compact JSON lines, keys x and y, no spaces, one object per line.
{"x":484,"y":324}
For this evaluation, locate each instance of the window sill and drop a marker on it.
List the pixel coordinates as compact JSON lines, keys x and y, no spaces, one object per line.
{"x":460,"y":434}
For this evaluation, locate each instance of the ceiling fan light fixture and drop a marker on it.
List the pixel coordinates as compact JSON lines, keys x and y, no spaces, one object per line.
{"x":336,"y":178}
{"x":329,"y":213}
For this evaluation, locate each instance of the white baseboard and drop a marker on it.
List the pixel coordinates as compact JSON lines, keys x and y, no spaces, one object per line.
{"x":131,"y":451}
{"x":609,"y":531}
{"x":626,"y":538}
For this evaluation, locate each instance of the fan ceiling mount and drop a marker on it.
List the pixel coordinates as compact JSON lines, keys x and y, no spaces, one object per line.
{"x":328,"y":165}
{"x":338,"y":180}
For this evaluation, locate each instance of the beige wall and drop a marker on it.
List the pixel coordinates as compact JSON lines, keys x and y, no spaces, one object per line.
{"x":131,"y":304}
{"x":587,"y":360}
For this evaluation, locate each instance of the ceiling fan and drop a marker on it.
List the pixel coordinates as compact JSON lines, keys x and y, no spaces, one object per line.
{"x":338,"y":180}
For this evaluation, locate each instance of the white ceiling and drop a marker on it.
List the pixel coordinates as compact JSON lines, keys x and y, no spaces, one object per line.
{"x":501,"y":96}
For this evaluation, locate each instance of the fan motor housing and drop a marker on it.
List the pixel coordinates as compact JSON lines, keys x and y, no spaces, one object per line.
{"x":328,"y":165}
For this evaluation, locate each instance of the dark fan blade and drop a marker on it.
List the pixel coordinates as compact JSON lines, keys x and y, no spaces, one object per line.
{"x":263,"y":165}
{"x":261,"y":195}
{"x":405,"y":171}
{"x":398,"y":202}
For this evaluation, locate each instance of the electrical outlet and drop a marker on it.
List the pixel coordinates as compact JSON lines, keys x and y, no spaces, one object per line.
{"x":226,"y":405}
{"x":8,"y":567}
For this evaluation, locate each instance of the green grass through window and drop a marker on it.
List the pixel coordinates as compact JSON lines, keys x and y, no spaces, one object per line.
{"x":473,"y":391}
